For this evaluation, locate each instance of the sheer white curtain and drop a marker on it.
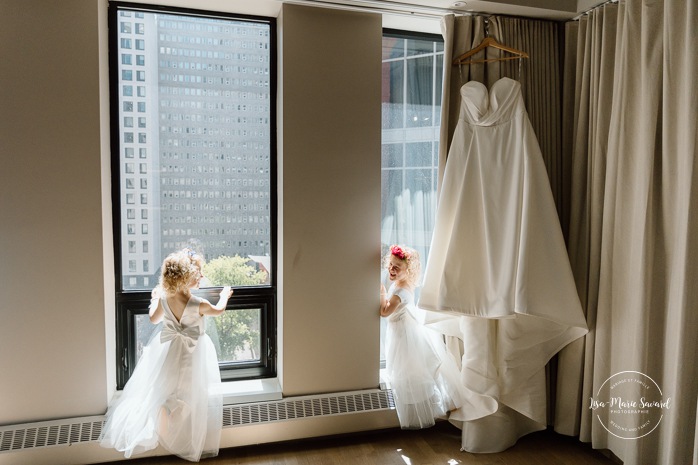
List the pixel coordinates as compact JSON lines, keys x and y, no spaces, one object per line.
{"x":634,"y":219}
{"x":412,"y":220}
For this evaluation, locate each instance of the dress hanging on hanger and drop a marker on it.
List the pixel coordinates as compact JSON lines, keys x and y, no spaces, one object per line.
{"x":468,"y":58}
{"x":498,"y":276}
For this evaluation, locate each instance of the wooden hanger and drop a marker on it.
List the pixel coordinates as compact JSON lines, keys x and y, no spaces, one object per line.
{"x":489,"y":42}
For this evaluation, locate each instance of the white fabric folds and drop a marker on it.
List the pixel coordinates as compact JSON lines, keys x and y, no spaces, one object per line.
{"x":498,"y":276}
{"x":423,"y":375}
{"x":173,"y":397}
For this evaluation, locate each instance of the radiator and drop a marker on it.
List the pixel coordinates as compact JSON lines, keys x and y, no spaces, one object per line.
{"x":87,"y":429}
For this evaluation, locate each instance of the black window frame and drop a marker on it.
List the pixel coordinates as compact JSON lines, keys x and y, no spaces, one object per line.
{"x":130,"y":304}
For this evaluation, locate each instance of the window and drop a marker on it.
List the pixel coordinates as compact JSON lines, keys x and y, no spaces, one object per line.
{"x":411,"y":108}
{"x":200,"y":169}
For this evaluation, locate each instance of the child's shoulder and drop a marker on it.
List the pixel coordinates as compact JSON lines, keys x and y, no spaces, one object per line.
{"x":401,"y":291}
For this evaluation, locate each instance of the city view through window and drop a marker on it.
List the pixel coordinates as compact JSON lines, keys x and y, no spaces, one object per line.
{"x":195,"y":161}
{"x":195,"y":144}
{"x":411,"y":115}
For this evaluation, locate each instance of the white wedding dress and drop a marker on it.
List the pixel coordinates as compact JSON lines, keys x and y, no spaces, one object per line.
{"x":498,"y":276}
{"x":173,"y":397}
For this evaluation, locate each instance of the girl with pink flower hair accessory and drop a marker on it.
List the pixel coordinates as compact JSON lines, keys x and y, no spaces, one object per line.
{"x":423,"y":375}
{"x":399,"y":252}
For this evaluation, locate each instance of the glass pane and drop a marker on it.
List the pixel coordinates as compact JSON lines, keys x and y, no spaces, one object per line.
{"x":391,"y":187}
{"x":420,"y":91}
{"x":393,"y":47}
{"x":393,"y":98}
{"x":419,"y":181}
{"x":206,"y":123}
{"x":235,"y":334}
{"x":408,"y":194}
{"x":438,"y":85}
{"x":144,"y":331}
{"x":418,"y":154}
{"x":392,"y":155}
{"x":419,"y":47}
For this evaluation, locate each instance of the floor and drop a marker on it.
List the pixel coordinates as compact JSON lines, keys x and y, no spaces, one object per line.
{"x":439,"y":445}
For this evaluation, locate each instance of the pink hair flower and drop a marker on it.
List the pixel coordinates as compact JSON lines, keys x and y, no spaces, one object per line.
{"x":399,"y":252}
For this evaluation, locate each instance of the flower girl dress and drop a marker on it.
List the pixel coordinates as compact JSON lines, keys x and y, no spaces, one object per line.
{"x":173,"y":397}
{"x":423,"y":376}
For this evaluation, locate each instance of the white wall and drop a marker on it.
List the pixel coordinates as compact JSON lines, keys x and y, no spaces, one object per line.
{"x":53,"y":307}
{"x":56,"y":271}
{"x":330,"y":198}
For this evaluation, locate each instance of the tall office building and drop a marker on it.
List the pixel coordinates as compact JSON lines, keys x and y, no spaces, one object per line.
{"x":195,"y":139}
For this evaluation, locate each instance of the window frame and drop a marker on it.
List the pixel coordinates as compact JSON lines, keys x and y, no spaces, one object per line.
{"x":403,"y":144}
{"x":132,"y":303}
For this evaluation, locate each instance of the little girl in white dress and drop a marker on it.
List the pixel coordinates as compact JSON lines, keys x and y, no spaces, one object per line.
{"x":172,"y":398}
{"x":423,"y":376}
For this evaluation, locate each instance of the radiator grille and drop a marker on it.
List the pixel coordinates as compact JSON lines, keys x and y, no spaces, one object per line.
{"x":305,"y":407}
{"x":81,"y":430}
{"x":45,"y":435}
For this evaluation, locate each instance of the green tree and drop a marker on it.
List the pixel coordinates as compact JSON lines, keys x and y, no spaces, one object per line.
{"x":233,"y":271}
{"x":238,"y":330}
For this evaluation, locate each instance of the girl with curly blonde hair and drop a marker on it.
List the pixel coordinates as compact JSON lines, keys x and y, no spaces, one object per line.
{"x":178,"y":268}
{"x":173,"y":397}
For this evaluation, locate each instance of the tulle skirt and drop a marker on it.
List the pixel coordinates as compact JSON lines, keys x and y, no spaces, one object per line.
{"x":423,"y":376}
{"x":172,"y":399}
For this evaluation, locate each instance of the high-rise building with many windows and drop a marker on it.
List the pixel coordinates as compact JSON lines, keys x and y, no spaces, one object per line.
{"x":194,"y":140}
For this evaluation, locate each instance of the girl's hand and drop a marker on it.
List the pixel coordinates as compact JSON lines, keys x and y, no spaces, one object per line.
{"x":383,"y":301}
{"x":226,"y":292}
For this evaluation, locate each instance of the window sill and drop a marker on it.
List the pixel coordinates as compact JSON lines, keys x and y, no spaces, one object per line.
{"x":252,"y":390}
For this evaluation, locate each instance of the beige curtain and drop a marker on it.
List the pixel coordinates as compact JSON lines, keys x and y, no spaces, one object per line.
{"x":631,"y":112}
{"x":589,"y":70}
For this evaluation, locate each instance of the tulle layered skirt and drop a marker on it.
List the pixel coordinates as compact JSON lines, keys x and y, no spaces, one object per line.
{"x":173,"y":399}
{"x":423,"y":376}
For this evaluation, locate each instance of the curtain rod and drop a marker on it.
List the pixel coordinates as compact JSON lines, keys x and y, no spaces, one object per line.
{"x":383,"y":6}
{"x":602,"y":4}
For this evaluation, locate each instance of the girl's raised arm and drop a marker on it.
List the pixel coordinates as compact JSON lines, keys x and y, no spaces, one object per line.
{"x":388,"y":306}
{"x":207,"y":308}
